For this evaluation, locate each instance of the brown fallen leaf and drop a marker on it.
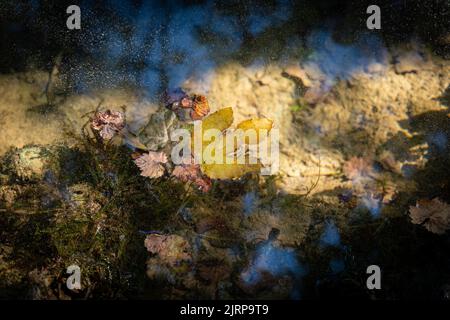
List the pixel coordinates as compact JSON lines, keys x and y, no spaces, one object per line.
{"x":357,"y":168}
{"x":171,"y":249}
{"x":108,"y":123}
{"x":434,"y":215}
{"x":200,"y":107}
{"x":388,"y":161}
{"x":192,"y":172}
{"x":150,"y":164}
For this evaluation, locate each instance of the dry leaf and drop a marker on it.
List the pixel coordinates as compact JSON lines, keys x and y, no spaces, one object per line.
{"x":200,"y":107}
{"x":150,"y":164}
{"x":108,"y":123}
{"x":357,"y":168}
{"x":171,"y":249}
{"x":191,"y":172}
{"x":434,"y":215}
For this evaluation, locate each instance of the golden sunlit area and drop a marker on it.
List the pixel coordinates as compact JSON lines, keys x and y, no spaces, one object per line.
{"x":224,"y":150}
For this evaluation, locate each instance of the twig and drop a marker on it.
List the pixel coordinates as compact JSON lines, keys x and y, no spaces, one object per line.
{"x":316,"y":183}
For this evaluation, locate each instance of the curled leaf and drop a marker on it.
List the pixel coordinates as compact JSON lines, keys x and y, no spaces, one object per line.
{"x":200,"y":107}
{"x":108,"y":123}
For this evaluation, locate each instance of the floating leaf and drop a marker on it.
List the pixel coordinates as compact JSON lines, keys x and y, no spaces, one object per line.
{"x":200,"y":107}
{"x":215,"y":154}
{"x":150,"y":164}
{"x":230,"y":171}
{"x":221,"y":120}
{"x":256,"y":124}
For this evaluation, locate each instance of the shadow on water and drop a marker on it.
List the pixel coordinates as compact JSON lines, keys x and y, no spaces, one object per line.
{"x":421,"y":258}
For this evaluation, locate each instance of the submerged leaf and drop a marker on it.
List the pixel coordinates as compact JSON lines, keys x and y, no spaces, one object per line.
{"x":230,"y":171}
{"x":434,"y":215}
{"x":357,"y":168}
{"x":171,"y":249}
{"x":191,"y":172}
{"x":186,"y":172}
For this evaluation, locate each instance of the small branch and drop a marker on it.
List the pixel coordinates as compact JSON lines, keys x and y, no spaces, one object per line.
{"x":315,"y":183}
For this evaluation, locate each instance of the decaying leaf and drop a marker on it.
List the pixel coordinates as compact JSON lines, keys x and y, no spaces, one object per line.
{"x":171,"y":249}
{"x":200,"y":107}
{"x":213,"y":271}
{"x":434,"y":215}
{"x":186,"y":172}
{"x":357,"y":168}
{"x":191,"y":172}
{"x":173,"y":96}
{"x":108,"y":123}
{"x":187,"y":108}
{"x":150,"y":164}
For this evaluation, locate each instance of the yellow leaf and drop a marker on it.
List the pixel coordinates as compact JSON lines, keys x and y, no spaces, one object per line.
{"x":256,"y":124}
{"x":229,"y":171}
{"x":221,"y":120}
{"x":216,"y":150}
